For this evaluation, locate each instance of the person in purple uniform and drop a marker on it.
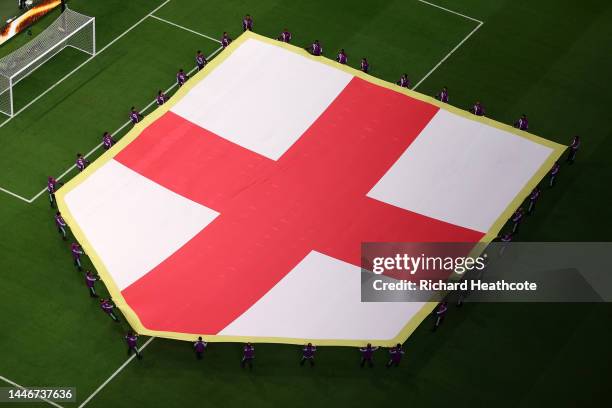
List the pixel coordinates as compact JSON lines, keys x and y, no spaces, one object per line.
{"x":554,"y":172}
{"x":248,"y":354}
{"x":81,"y":163}
{"x":247,"y":23}
{"x":522,"y":123}
{"x":443,"y":95}
{"x":315,"y":49}
{"x":161,"y":98}
{"x":225,"y":40}
{"x":107,"y":307}
{"x":200,"y":60}
{"x":90,"y":281}
{"x":533,"y":198}
{"x":440,"y":314}
{"x":365,"y":65}
{"x":132,"y":342}
{"x":505,"y":239}
{"x":367,"y":355}
{"x":477,"y":109}
{"x":395,"y":356}
{"x":199,"y":347}
{"x":181,"y":77}
{"x":342,"y":58}
{"x":107,"y":141}
{"x":404,"y":82}
{"x":61,"y":225}
{"x":135,"y":116}
{"x":308,"y":353}
{"x":76,"y":251}
{"x":573,"y":149}
{"x":285,"y":36}
{"x":517,"y":218}
{"x":51,"y":189}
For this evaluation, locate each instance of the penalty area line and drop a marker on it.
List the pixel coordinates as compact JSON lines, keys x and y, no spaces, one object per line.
{"x":133,"y":26}
{"x":431,"y":71}
{"x":185,"y":28}
{"x":451,"y":11}
{"x":4,"y":190}
{"x":480,"y":23}
{"x":113,"y":375}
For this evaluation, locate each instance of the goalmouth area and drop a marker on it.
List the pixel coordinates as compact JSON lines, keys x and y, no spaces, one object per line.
{"x":71,"y":29}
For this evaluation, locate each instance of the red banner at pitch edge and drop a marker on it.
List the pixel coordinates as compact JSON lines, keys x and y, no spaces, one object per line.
{"x":25,"y":20}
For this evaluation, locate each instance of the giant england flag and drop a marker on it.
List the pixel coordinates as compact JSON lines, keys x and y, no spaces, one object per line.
{"x":236,"y":211}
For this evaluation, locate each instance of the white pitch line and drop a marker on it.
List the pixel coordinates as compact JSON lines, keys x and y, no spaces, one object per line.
{"x":185,"y":28}
{"x":113,"y":375}
{"x":62,"y":79}
{"x":447,"y":55}
{"x":14,"y":384}
{"x":92,"y":151}
{"x":451,"y":11}
{"x":133,"y":27}
{"x":14,"y":195}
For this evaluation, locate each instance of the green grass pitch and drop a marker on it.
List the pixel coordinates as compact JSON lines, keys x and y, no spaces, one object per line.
{"x":549,"y":59}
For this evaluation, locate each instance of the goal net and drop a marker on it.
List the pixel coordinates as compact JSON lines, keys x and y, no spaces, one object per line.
{"x":71,"y":29}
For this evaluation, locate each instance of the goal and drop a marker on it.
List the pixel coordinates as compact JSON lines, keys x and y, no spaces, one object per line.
{"x":71,"y":29}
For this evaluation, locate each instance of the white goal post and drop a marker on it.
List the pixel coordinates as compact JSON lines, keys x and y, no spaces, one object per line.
{"x":70,"y":29}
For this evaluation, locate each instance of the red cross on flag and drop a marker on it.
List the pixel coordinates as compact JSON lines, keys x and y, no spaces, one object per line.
{"x":237,"y":210}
